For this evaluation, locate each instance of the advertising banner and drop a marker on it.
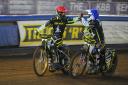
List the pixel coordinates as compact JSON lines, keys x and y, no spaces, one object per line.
{"x":115,"y":33}
{"x":2,"y":7}
{"x":122,"y":8}
{"x":75,"y":7}
{"x":72,"y":34}
{"x":105,"y":7}
{"x":47,"y":7}
{"x":21,"y":6}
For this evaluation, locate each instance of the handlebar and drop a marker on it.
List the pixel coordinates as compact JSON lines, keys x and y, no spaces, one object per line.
{"x":45,"y":36}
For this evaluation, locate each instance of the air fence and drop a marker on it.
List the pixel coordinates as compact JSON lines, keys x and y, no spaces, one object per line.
{"x":18,"y":30}
{"x":19,"y":19}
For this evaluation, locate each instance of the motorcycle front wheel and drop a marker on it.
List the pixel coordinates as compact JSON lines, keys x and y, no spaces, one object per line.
{"x":78,"y":65}
{"x":40,"y":61}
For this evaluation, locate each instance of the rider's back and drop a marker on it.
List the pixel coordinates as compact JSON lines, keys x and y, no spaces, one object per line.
{"x":97,"y":29}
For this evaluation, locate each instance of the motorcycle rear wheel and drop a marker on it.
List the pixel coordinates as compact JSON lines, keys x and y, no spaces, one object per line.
{"x":110,"y":71}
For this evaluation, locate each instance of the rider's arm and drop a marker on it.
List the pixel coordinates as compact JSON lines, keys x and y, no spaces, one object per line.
{"x":84,"y":22}
{"x":42,"y":27}
{"x":72,"y":20}
{"x":101,"y":33}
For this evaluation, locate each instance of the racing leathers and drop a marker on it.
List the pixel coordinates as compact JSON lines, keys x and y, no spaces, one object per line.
{"x":58,"y":24}
{"x":96,"y":28}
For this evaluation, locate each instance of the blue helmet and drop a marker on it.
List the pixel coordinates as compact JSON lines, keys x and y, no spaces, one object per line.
{"x":94,"y":14}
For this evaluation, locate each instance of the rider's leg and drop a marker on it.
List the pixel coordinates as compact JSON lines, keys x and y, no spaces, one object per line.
{"x":58,"y":45}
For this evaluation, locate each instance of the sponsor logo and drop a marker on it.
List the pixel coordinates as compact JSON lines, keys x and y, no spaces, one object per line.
{"x":74,"y":32}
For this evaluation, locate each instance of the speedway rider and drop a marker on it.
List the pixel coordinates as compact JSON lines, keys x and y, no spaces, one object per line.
{"x":58,"y":23}
{"x":94,"y":26}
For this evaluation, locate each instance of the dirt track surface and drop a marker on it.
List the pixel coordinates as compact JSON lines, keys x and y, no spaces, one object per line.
{"x":19,"y":71}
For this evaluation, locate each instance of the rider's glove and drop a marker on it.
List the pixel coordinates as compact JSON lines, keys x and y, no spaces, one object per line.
{"x":79,"y":18}
{"x":76,"y":19}
{"x":92,"y":34}
{"x":36,"y":32}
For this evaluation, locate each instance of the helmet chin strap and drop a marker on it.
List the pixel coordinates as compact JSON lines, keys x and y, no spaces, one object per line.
{"x":60,"y":15}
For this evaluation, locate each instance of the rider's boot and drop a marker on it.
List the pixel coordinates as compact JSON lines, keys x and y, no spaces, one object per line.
{"x":57,"y":66}
{"x":102,"y":63}
{"x":92,"y":68}
{"x":51,"y":69}
{"x":95,"y":66}
{"x":97,"y":62}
